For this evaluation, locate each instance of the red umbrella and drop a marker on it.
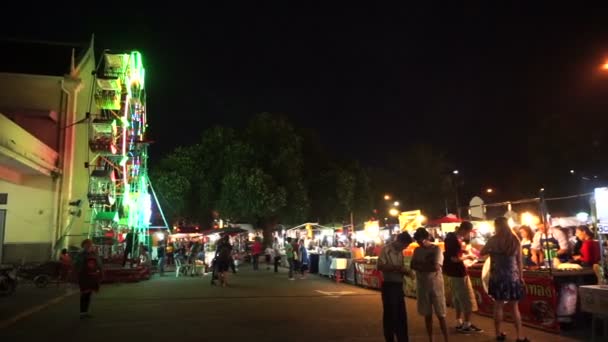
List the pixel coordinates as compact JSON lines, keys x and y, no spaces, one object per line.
{"x":446,"y":219}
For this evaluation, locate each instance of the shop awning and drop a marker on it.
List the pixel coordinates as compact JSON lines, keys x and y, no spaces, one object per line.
{"x":446,"y":219}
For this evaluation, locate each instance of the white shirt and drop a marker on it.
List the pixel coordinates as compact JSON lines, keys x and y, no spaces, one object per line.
{"x":390,"y":256}
{"x":555,"y":233}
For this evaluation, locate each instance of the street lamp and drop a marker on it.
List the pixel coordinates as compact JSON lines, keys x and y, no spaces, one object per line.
{"x":455,"y":175}
{"x":387,"y":197}
{"x":396,"y":204}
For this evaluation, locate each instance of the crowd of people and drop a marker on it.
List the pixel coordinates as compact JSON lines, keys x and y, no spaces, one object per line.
{"x":429,"y":265}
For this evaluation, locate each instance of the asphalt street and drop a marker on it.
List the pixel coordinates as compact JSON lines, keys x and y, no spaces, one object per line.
{"x":257,"y":306}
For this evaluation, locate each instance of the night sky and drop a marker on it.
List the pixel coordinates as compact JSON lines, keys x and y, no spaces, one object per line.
{"x":473,"y":81}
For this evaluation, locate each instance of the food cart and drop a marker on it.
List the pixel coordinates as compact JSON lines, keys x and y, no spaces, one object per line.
{"x":551,"y":291}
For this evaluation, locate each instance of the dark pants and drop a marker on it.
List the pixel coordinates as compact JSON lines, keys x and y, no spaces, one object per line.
{"x":233,"y":266}
{"x":126,"y":255}
{"x":394,"y":316}
{"x":161,"y":265}
{"x":291,"y":262}
{"x":256,"y":261}
{"x":85,"y":301}
{"x":277,"y":262}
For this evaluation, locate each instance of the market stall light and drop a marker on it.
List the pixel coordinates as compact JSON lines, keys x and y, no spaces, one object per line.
{"x":160,"y":236}
{"x":455,"y":172}
{"x":489,"y":190}
{"x":421,"y":219}
{"x":387,"y":197}
{"x":484,"y":228}
{"x":605,"y":66}
{"x":396,"y":204}
{"x":511,"y":222}
{"x":393,"y":212}
{"x":572,"y":171}
{"x":529,"y":219}
{"x":582,"y":217}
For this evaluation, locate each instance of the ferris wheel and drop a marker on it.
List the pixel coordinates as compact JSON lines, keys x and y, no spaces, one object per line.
{"x":118,"y":179}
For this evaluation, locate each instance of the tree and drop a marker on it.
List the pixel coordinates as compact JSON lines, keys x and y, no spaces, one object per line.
{"x":421,"y":179}
{"x":277,"y":151}
{"x":250,"y":195}
{"x":172,"y":188}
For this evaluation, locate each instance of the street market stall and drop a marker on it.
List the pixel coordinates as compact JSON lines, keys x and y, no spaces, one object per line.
{"x":551,"y":289}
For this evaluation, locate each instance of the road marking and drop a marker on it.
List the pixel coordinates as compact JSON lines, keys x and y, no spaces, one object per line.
{"x":10,"y":321}
{"x":335,"y":294}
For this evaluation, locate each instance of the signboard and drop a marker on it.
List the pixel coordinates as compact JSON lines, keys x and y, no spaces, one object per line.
{"x":367,"y":275}
{"x":601,"y":205}
{"x":538,"y":307}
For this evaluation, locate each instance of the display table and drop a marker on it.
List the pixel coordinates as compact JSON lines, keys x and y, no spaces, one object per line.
{"x":594,"y":299}
{"x":551,"y":296}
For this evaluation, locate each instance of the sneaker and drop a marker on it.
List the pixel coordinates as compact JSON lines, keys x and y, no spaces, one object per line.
{"x":459,"y":327}
{"x":470,"y":329}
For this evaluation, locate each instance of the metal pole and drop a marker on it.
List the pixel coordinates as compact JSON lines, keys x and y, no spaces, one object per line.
{"x":543,"y":210}
{"x":160,"y":209}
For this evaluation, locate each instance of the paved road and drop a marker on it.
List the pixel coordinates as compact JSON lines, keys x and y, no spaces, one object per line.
{"x":259,"y":306}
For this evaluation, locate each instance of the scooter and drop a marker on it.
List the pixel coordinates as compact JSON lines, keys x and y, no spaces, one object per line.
{"x":8,"y":280}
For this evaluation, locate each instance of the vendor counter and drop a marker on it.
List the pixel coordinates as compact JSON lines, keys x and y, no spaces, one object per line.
{"x":551,"y":296}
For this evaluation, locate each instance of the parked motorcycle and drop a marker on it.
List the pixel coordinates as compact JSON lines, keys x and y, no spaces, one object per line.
{"x":8,"y":280}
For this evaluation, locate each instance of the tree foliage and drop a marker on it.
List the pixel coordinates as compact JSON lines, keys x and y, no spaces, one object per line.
{"x":270,"y":172}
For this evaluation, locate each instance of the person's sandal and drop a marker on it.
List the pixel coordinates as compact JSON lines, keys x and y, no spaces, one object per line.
{"x":501,"y":337}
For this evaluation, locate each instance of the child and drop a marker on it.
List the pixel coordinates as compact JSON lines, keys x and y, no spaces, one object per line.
{"x":427,"y":261}
{"x":90,"y":273}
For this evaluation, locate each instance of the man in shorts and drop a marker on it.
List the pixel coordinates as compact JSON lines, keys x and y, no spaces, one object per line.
{"x":463,"y":296}
{"x":430,"y":293}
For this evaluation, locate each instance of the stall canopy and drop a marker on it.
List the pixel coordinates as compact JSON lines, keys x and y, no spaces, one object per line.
{"x":446,"y":219}
{"x":228,"y":230}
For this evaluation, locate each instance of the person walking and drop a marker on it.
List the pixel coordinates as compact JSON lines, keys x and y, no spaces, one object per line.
{"x":223,"y":258}
{"x":430,"y":294}
{"x":390,"y":263}
{"x":89,"y":272}
{"x":304,"y":259}
{"x":160,"y":253}
{"x":277,"y":254}
{"x":256,"y":251}
{"x":289,"y":253}
{"x":506,"y":282}
{"x":463,"y":296}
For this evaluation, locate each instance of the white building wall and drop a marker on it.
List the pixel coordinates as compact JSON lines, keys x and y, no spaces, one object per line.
{"x":29,"y":219}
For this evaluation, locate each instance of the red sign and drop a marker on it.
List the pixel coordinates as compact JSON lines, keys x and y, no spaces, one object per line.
{"x":367,"y":275}
{"x":538,"y":307}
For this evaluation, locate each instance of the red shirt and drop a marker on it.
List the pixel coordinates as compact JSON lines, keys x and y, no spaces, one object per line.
{"x":590,"y":252}
{"x":256,"y":248}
